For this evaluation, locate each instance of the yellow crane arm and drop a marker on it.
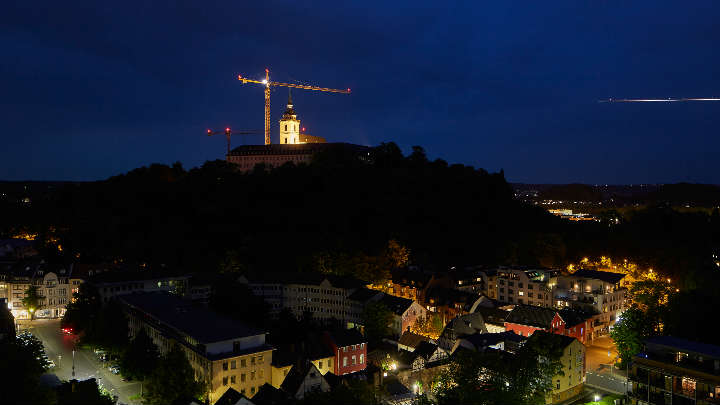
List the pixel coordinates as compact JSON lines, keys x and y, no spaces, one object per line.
{"x":296,"y":86}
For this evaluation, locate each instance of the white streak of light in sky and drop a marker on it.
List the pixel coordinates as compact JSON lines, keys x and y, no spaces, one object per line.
{"x":655,"y":100}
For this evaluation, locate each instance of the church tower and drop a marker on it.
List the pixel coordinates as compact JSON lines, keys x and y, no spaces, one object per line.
{"x":289,"y":124}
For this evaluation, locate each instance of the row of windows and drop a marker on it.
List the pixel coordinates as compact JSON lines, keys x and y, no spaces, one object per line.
{"x":243,"y":377}
{"x":353,"y":359}
{"x":243,"y":363}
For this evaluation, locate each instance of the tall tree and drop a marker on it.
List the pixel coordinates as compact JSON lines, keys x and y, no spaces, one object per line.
{"x":140,"y":358}
{"x":173,"y":380}
{"x":376,"y":318}
{"x":630,"y":332}
{"x":86,"y":392}
{"x":32,"y":300}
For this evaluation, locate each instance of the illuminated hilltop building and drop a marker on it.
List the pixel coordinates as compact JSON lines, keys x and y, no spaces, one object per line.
{"x":295,"y":146}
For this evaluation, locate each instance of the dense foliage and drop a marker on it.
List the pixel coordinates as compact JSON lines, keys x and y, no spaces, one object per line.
{"x":173,"y":380}
{"x":21,"y":366}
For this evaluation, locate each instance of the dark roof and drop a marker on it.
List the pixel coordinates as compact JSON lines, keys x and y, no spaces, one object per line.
{"x":269,"y":395}
{"x":295,"y":149}
{"x":346,"y":337}
{"x":426,"y":349}
{"x":230,"y":397}
{"x":532,"y":315}
{"x":493,"y":315}
{"x":270,"y":277}
{"x":687,"y":345}
{"x":607,"y":276}
{"x":397,"y":305}
{"x":412,"y":339}
{"x":489,"y":339}
{"x":294,"y":379}
{"x":555,"y":340}
{"x":573,"y":317}
{"x":468,"y":324}
{"x":204,"y":325}
{"x":364,"y":295}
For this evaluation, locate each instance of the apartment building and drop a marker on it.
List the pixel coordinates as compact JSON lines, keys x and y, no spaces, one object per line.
{"x":349,"y":348}
{"x":526,"y":286}
{"x":224,"y":353}
{"x":600,"y":292}
{"x":55,"y":286}
{"x":570,"y":381}
{"x":675,"y":371}
{"x":324,"y":296}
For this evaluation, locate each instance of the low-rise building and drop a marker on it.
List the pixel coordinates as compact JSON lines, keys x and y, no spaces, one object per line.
{"x":224,"y":353}
{"x":676,"y":371}
{"x":116,"y":283}
{"x":349,"y":348}
{"x":405,"y":313}
{"x":304,"y":378}
{"x":570,"y":381}
{"x":460,"y":327}
{"x":410,"y":341}
{"x":527,"y":319}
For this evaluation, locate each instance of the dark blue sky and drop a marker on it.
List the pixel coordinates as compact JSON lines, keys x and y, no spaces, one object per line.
{"x":89,"y":89}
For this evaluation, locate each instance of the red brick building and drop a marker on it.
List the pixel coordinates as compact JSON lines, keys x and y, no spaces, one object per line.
{"x":349,"y":348}
{"x":526,"y":319}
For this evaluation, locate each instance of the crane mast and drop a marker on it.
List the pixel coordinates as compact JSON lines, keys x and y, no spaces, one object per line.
{"x":268,"y":84}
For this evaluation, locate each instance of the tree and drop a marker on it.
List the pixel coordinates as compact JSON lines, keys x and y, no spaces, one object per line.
{"x":82,"y":309}
{"x":173,"y":380}
{"x":397,"y":254}
{"x":32,"y":300}
{"x":430,"y":325}
{"x":82,"y":392}
{"x":630,"y":332}
{"x":21,"y":367}
{"x":140,"y":358}
{"x":376,"y":319}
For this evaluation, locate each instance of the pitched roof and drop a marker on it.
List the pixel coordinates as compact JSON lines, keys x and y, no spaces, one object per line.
{"x":346,"y":337}
{"x":687,"y":345}
{"x":495,"y":316}
{"x":269,"y":395}
{"x":397,"y":305}
{"x":607,"y":276}
{"x":297,"y":375}
{"x":364,"y":295}
{"x":468,"y":324}
{"x":203,"y":324}
{"x":555,"y":340}
{"x":412,"y":339}
{"x":573,"y":317}
{"x":426,"y":349}
{"x":532,"y":315}
{"x":230,"y":397}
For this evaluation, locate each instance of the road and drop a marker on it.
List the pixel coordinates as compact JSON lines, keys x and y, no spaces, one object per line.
{"x":600,"y":355}
{"x":59,"y":348}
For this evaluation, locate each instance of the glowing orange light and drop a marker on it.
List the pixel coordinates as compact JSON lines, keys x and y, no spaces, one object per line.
{"x":227,"y":129}
{"x":303,"y":129}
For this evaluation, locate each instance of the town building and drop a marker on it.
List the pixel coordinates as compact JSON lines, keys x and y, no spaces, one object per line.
{"x":460,"y":327}
{"x":450,"y":303}
{"x":525,"y":286}
{"x":55,"y":286}
{"x":304,"y":378}
{"x":570,"y":381}
{"x":349,"y":348}
{"x":310,"y":347}
{"x":409,"y":283}
{"x":323,"y":296}
{"x":505,"y":341}
{"x":600,"y":292}
{"x":117,"y":283}
{"x":527,"y":319}
{"x":671,"y":370}
{"x":410,"y":341}
{"x":224,"y":353}
{"x":405,"y":313}
{"x":494,"y":318}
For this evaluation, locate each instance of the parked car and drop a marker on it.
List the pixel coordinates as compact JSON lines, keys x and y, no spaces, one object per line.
{"x":114,"y":369}
{"x":51,"y":364}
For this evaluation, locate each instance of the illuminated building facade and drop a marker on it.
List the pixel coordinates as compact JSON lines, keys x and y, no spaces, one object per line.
{"x":224,"y":353}
{"x":675,"y":371}
{"x":525,"y":286}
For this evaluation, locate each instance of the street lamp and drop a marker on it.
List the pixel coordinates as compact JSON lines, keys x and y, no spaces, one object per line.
{"x":597,"y":398}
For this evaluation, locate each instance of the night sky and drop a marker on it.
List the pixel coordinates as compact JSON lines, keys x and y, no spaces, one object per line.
{"x":90,"y":89}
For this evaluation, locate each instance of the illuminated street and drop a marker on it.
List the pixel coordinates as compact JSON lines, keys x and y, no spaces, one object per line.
{"x":58,"y":347}
{"x":596,"y":355}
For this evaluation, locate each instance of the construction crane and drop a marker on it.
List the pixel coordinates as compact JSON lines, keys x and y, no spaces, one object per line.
{"x":228,"y":132}
{"x":268,"y":84}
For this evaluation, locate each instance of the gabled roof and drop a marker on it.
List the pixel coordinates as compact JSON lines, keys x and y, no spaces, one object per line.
{"x":397,"y":305}
{"x":269,"y":395}
{"x":412,"y":339}
{"x":553,"y":339}
{"x":573,"y":317}
{"x":426,"y":350}
{"x":531,"y":315}
{"x":230,"y":397}
{"x":493,"y":315}
{"x":297,"y":375}
{"x":607,"y":276}
{"x":346,"y":337}
{"x":363,"y":295}
{"x":468,"y":324}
